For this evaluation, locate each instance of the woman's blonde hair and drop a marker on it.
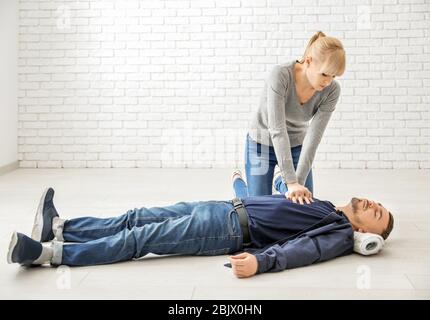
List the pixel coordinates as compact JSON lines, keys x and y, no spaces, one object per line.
{"x":328,"y":51}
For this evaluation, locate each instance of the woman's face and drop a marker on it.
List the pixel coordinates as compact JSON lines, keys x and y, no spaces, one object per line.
{"x":318,"y":80}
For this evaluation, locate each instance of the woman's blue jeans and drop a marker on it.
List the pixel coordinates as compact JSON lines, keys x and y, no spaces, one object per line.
{"x":189,"y":228}
{"x":260,"y":162}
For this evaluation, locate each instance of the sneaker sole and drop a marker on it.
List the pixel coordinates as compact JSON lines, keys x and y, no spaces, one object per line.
{"x":36,"y":233}
{"x":12,"y":245}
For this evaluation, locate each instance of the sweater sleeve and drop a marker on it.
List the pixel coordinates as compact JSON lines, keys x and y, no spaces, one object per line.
{"x":315,"y":132}
{"x":305,"y":250}
{"x":277,"y":127}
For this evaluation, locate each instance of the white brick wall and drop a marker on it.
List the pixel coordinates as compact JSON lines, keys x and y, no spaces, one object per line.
{"x":156,"y":83}
{"x":8,"y":88}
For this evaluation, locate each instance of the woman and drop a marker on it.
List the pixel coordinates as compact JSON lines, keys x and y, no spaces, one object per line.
{"x":280,"y":133}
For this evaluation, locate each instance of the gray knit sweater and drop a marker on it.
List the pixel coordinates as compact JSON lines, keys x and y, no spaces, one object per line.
{"x":283,"y":123}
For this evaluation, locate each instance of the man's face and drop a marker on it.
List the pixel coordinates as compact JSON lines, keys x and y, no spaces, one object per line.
{"x":372,"y":216}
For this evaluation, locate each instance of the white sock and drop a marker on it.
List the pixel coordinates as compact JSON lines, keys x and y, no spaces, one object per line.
{"x":45,"y":256}
{"x":55,"y":222}
{"x":58,"y":227}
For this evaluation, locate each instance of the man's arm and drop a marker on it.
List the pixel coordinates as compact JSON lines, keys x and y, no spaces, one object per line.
{"x":306,"y":250}
{"x":299,"y":252}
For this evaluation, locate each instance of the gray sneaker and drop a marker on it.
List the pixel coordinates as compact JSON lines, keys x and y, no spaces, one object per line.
{"x":23,"y":250}
{"x":42,"y":227}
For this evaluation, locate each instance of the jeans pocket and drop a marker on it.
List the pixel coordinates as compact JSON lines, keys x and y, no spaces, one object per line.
{"x":231,"y":226}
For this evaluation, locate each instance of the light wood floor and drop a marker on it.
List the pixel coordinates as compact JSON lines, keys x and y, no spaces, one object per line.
{"x":400,"y":271}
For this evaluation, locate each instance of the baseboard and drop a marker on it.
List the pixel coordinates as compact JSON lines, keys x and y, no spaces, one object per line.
{"x":9,"y":167}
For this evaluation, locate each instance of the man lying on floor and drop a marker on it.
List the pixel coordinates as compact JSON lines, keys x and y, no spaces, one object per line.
{"x":274,"y":232}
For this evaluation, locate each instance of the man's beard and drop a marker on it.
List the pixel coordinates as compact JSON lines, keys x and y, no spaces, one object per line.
{"x":354,"y":205}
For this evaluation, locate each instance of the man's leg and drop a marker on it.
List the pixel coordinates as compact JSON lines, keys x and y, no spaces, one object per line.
{"x":90,"y":228}
{"x":212,"y":228}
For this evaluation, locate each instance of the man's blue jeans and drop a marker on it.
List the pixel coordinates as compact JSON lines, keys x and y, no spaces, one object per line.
{"x":260,"y":162}
{"x":189,"y":228}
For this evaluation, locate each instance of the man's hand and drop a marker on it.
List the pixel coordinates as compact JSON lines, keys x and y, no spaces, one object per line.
{"x":244,"y":265}
{"x":297,"y":192}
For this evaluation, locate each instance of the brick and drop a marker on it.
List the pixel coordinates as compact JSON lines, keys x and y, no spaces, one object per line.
{"x":128,"y":79}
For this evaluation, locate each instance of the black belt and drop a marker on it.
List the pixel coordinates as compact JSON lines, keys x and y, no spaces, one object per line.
{"x":243,"y":219}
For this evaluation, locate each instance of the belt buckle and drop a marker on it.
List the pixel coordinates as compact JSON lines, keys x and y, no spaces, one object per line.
{"x":237,"y":204}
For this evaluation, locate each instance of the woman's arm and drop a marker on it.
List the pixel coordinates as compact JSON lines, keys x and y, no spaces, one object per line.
{"x":315,"y":132}
{"x":276,"y":88}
